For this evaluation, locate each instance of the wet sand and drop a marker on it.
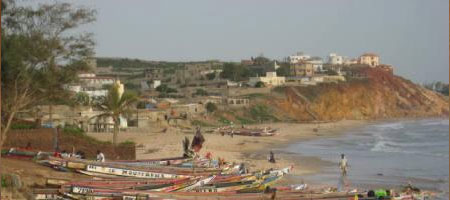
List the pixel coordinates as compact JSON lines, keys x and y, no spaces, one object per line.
{"x":252,"y":151}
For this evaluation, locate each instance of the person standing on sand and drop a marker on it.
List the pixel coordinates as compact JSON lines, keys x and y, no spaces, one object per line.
{"x":197,"y":141}
{"x":343,"y":165}
{"x":271,"y":157}
{"x":100,"y":156}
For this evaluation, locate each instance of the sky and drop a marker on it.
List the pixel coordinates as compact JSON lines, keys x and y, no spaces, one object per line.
{"x":411,"y":35}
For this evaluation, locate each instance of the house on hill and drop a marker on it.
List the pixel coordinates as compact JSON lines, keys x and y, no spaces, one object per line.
{"x":262,"y":68}
{"x":316,"y":62}
{"x":271,"y":79}
{"x":154,"y":73}
{"x":370,"y":59}
{"x":302,"y":69}
{"x":298,"y":57}
{"x":335,"y":59}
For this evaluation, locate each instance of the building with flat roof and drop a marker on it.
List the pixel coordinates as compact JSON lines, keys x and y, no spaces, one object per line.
{"x":370,"y":59}
{"x":271,"y":79}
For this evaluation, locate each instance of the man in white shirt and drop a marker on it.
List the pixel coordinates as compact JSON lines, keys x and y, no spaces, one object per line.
{"x":343,"y":165}
{"x":100,"y":156}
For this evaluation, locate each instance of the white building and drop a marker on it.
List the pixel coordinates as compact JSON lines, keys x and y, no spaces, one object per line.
{"x":216,"y":71}
{"x":91,"y":92}
{"x":300,"y":56}
{"x":317,"y":63}
{"x":275,"y":65}
{"x":155,"y":84}
{"x":271,"y":79}
{"x":91,"y":80}
{"x":370,"y":59}
{"x":348,"y":61}
{"x":93,"y":86}
{"x":335,"y":59}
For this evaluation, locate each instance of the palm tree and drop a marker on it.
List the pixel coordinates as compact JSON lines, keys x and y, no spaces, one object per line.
{"x":115,"y":105}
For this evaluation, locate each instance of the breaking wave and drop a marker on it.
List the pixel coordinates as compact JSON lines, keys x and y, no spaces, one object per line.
{"x":395,"y":126}
{"x":436,"y":122}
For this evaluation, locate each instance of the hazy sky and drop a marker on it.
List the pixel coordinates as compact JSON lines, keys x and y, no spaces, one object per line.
{"x":412,"y":35}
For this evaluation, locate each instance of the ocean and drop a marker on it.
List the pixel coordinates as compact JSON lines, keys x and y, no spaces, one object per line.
{"x":385,"y":154}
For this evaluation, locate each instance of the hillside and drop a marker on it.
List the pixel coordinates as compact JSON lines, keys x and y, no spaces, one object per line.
{"x":379,"y":96}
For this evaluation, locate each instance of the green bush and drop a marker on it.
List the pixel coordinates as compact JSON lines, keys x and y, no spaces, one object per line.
{"x":211,"y":107}
{"x":165,"y":89}
{"x":22,"y":126}
{"x":211,"y":76}
{"x":201,"y":92}
{"x":127,"y":143}
{"x":224,"y":121}
{"x":261,"y":113}
{"x":4,"y":182}
{"x":260,"y":84}
{"x":73,"y":130}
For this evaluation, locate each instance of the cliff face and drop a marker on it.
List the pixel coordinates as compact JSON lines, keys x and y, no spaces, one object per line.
{"x":381,"y":95}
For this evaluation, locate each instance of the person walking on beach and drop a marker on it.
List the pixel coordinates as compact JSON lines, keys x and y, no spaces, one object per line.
{"x":271,"y":157}
{"x":343,"y":165}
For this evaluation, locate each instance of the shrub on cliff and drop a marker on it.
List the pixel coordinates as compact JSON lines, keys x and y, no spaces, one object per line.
{"x":211,"y":107}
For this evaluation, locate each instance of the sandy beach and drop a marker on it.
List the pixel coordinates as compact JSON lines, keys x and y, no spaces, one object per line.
{"x":252,"y":151}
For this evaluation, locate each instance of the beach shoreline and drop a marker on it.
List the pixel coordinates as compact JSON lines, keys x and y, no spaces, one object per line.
{"x":252,"y":151}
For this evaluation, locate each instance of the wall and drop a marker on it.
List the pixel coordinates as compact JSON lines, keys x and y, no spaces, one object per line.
{"x":42,"y":140}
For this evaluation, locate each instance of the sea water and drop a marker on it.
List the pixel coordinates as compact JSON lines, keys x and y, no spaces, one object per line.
{"x":385,"y":154}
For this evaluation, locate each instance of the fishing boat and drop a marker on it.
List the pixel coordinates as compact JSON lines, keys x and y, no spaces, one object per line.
{"x":248,"y":131}
{"x":18,"y":153}
{"x":150,"y":162}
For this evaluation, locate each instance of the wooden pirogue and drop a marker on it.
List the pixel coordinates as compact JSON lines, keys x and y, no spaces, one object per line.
{"x":123,"y":170}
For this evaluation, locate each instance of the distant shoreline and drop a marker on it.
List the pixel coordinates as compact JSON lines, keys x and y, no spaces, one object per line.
{"x":252,"y":151}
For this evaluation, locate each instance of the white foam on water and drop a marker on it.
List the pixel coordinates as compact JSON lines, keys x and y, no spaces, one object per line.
{"x":436,"y":122}
{"x":382,"y":146}
{"x":395,"y":126}
{"x":394,"y":147}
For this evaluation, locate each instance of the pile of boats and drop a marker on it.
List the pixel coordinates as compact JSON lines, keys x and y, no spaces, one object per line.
{"x":171,"y":178}
{"x":158,"y":178}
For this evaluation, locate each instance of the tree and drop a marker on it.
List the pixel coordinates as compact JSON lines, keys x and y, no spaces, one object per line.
{"x":260,"y":84}
{"x":54,"y":51}
{"x":235,"y":72}
{"x":82,"y":99}
{"x":211,"y":76}
{"x":35,"y":41}
{"x":211,"y":107}
{"x":283,"y":70}
{"x":201,"y":92}
{"x":115,"y":105}
{"x":51,"y":82}
{"x":261,"y":60}
{"x":165,"y":89}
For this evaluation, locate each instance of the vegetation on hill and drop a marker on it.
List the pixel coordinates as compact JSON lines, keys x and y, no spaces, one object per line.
{"x":133,"y":63}
{"x":438,"y":87}
{"x":235,"y":72}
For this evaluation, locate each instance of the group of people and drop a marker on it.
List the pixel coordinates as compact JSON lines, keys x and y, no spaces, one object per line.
{"x":65,"y":154}
{"x":79,"y":154}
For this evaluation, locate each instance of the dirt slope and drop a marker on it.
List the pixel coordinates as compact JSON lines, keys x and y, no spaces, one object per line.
{"x":381,"y":95}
